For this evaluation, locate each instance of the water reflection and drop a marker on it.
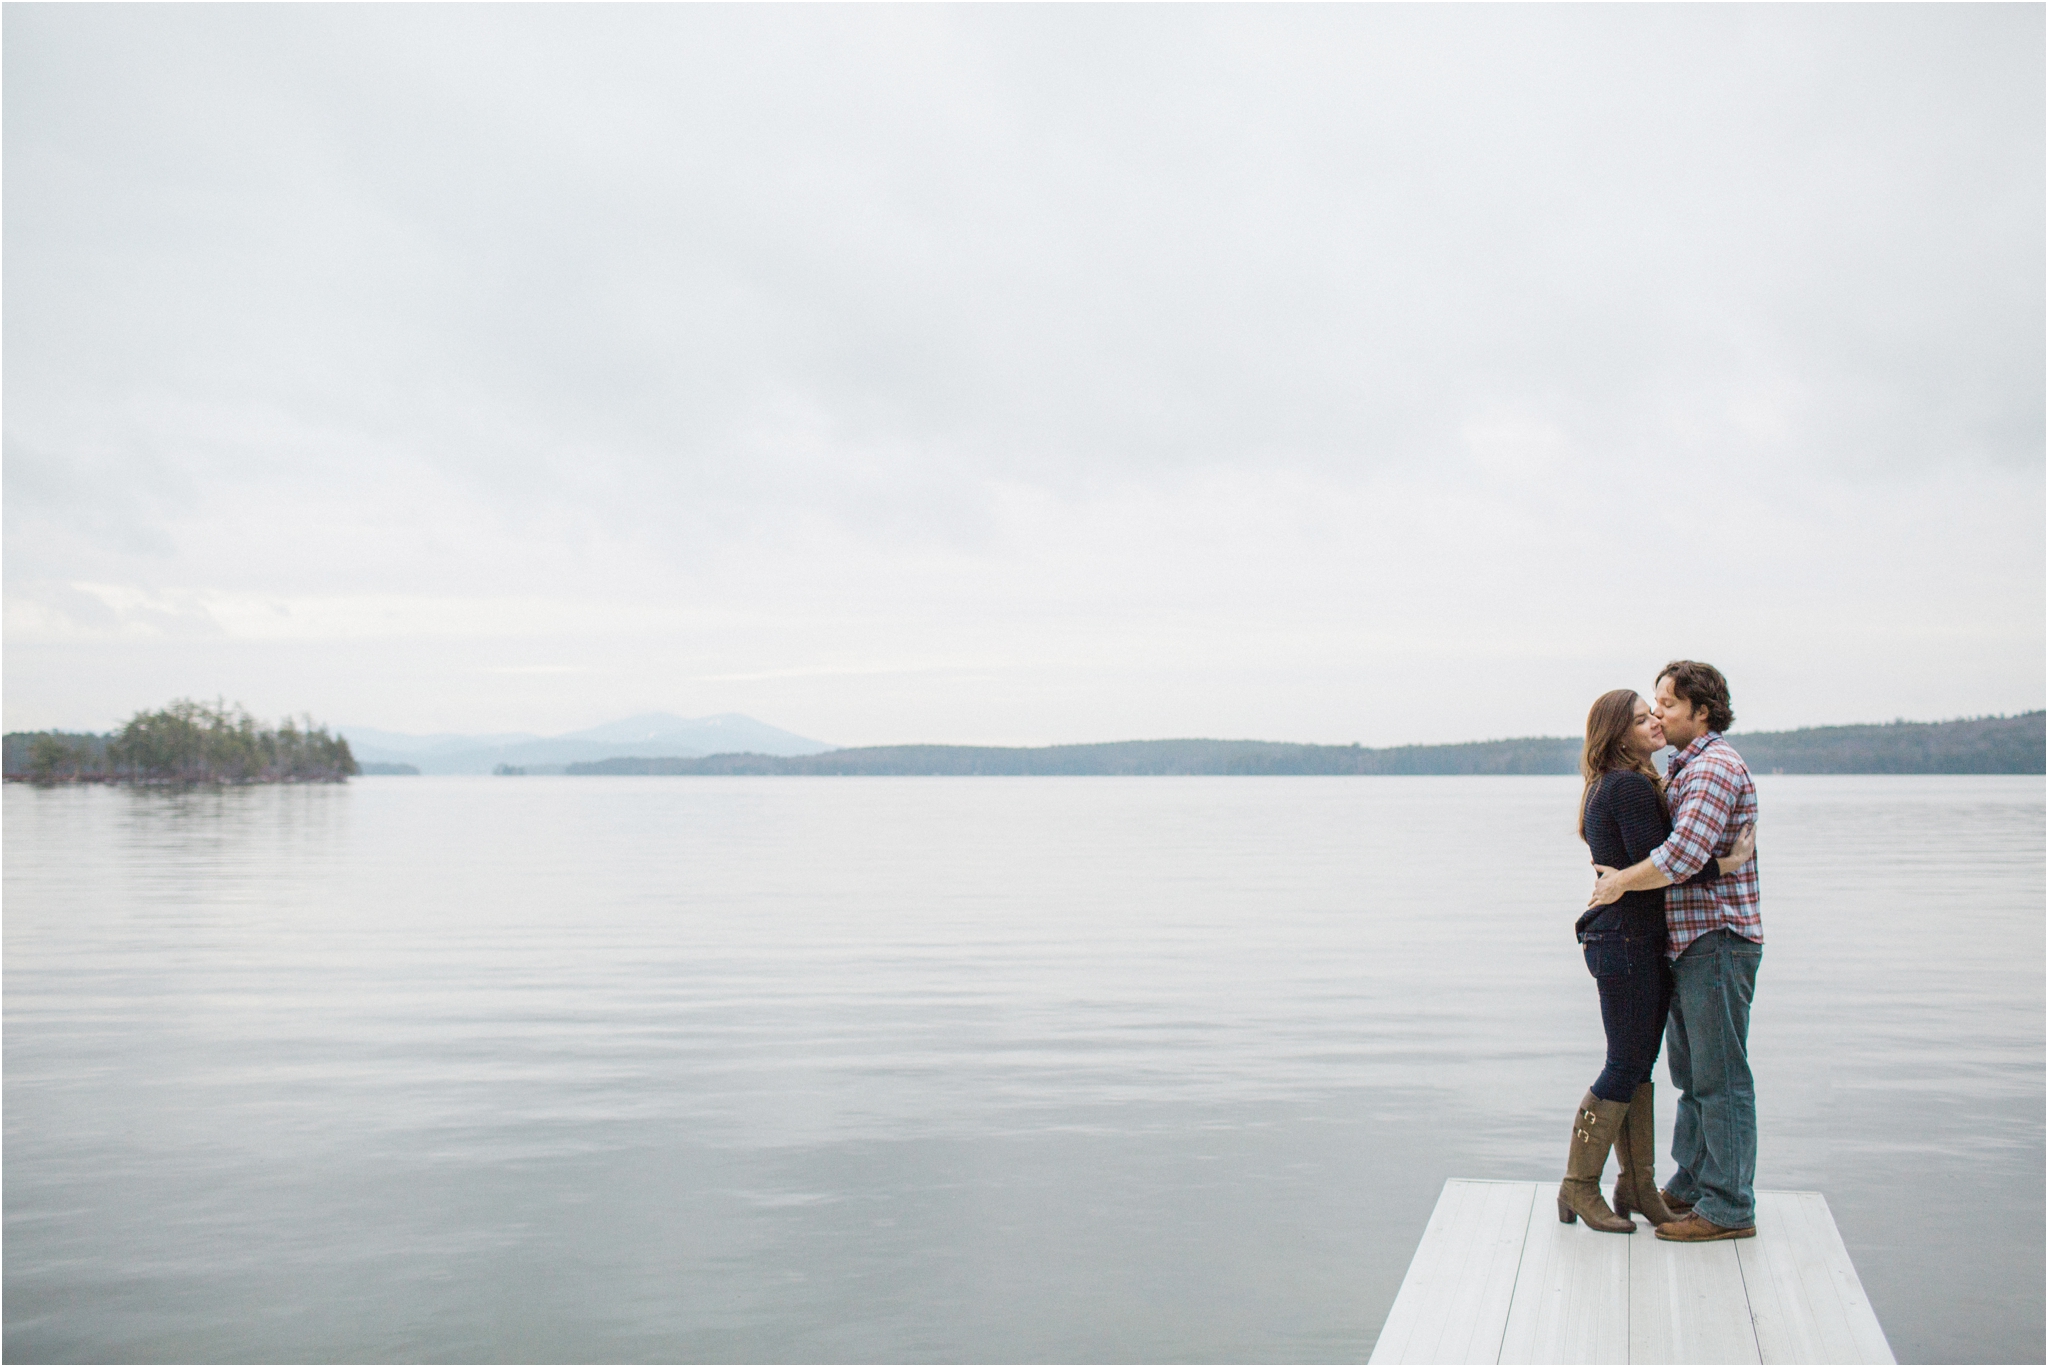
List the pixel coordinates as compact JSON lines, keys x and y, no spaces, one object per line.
{"x":931,"y":1069}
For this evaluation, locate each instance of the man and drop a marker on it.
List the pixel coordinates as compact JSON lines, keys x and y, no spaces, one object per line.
{"x":1716,"y":944}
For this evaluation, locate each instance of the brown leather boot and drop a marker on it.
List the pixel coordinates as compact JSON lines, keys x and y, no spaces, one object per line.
{"x":1594,"y":1130}
{"x":1635,"y":1153}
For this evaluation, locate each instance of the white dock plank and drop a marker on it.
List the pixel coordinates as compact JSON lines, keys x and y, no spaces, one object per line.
{"x":1687,"y":1303}
{"x":1497,"y":1278}
{"x":1453,"y":1304}
{"x":1804,"y":1293}
{"x":1571,"y":1296}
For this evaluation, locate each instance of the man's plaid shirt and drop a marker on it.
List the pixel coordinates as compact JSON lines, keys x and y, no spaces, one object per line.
{"x":1712,"y":800}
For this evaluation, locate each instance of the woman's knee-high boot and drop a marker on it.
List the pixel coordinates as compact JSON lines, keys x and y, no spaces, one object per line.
{"x":1594,"y":1131}
{"x":1635,"y":1186}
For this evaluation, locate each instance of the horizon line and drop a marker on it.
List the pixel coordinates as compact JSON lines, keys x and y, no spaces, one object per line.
{"x":339,"y":732}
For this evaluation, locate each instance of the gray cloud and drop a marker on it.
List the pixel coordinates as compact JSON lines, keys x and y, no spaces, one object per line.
{"x":877,"y":325}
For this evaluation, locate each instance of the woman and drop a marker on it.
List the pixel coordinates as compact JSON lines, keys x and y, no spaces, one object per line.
{"x":1622,"y":817}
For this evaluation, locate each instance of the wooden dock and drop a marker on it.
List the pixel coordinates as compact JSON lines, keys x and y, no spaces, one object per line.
{"x":1498,"y":1278}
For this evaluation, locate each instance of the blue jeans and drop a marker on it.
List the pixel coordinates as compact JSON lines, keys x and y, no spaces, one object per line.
{"x":1713,"y":1139}
{"x":1634,"y":979}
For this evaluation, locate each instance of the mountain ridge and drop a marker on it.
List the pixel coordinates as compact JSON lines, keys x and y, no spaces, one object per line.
{"x":657,"y":735}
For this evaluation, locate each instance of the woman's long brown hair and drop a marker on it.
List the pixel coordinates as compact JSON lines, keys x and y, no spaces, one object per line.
{"x":1607,"y":731}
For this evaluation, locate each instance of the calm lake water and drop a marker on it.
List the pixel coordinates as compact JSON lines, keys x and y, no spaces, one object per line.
{"x":934,"y":1069}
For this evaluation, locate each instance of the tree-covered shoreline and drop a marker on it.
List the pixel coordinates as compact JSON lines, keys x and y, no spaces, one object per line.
{"x":185,"y":743}
{"x":1974,"y":745}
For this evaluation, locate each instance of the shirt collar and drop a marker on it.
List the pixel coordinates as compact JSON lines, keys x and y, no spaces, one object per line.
{"x":1692,"y":751}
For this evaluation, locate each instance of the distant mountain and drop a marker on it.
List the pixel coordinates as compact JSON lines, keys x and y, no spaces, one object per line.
{"x":706,"y":735}
{"x":653,"y":735}
{"x":397,"y":743}
{"x":1540,"y":755}
{"x":1980,"y":745}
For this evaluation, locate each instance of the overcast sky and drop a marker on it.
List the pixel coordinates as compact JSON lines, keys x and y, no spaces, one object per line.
{"x":1020,"y":375}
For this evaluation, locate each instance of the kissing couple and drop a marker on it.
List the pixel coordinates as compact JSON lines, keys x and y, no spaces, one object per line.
{"x":1673,"y":936}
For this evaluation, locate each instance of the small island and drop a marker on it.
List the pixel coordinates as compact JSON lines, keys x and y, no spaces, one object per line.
{"x":183,"y":744}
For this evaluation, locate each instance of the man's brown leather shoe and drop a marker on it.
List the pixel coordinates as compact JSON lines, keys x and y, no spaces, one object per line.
{"x":1698,"y":1229}
{"x":1677,"y":1207}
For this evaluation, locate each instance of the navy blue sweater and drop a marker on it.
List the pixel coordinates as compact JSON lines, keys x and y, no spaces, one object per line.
{"x":1624,"y":822}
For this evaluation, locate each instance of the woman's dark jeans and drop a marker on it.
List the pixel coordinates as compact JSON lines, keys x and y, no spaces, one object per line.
{"x":1635,"y":997}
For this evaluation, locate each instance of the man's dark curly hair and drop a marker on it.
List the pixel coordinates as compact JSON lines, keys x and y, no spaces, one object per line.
{"x":1701,"y":685}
